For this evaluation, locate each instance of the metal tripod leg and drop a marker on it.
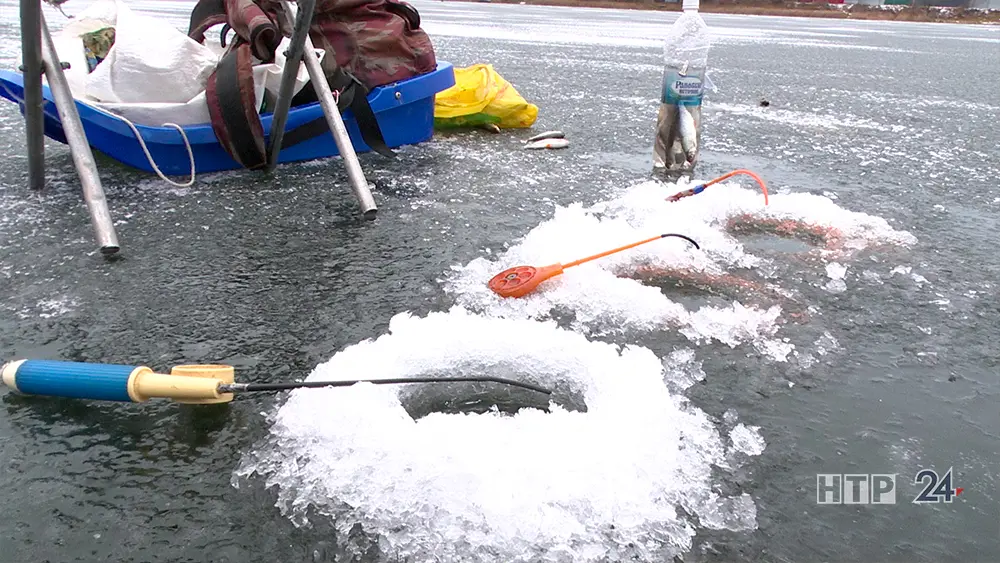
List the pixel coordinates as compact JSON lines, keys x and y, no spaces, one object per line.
{"x":31,"y":49}
{"x":359,"y":185}
{"x":83,"y":158}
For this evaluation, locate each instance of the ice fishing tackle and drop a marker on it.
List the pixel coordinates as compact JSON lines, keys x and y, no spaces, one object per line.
{"x":522,"y":280}
{"x":701,"y":187}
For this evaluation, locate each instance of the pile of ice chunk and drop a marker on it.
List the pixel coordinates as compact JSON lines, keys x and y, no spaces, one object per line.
{"x":604,"y":484}
{"x":603,"y":299}
{"x":619,"y":465}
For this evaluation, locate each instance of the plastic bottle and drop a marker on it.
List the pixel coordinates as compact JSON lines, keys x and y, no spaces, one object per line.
{"x":678,"y":126}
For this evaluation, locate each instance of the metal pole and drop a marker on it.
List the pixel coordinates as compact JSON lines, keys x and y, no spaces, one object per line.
{"x":333,"y":119}
{"x":83,"y":158}
{"x":34,"y":126}
{"x":292,"y":58}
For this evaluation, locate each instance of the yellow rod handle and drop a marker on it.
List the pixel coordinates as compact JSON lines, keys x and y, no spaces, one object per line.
{"x":148,"y":385}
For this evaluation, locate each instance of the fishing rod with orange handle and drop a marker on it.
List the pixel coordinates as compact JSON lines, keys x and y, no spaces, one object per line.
{"x":701,"y":187}
{"x":522,"y":280}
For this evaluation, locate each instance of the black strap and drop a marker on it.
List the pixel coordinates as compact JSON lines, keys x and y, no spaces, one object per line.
{"x":367,"y":124}
{"x":206,"y":14}
{"x":246,"y":138}
{"x":236,"y":120}
{"x":353,"y":96}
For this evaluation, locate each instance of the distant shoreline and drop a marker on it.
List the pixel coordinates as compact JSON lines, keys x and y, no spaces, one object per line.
{"x":787,"y":8}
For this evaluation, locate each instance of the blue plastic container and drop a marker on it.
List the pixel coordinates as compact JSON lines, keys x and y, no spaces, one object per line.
{"x":404,"y":110}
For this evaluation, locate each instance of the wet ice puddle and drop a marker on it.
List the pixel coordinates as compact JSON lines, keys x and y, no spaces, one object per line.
{"x":616,"y":465}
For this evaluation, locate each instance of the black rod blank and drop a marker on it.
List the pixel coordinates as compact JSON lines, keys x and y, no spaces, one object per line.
{"x":265,"y":387}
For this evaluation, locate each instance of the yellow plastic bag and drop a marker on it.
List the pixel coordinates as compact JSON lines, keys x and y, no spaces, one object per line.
{"x":482,"y":96}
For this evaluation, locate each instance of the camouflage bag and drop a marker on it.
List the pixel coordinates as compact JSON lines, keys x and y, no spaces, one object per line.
{"x":368,"y":43}
{"x":377,"y":41}
{"x":96,"y":46}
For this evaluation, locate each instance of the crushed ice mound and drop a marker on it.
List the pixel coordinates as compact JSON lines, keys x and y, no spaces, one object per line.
{"x":602,"y":298}
{"x":727,"y":204}
{"x":627,"y":477}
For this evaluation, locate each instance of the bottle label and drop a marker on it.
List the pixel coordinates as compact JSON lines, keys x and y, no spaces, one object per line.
{"x":682,"y":90}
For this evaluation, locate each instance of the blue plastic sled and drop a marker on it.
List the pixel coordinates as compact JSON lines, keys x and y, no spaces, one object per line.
{"x":404,"y":111}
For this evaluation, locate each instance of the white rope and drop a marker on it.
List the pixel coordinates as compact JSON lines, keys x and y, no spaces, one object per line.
{"x":149,"y":157}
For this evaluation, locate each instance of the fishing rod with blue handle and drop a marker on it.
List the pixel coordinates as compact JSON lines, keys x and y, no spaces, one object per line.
{"x":191,"y":384}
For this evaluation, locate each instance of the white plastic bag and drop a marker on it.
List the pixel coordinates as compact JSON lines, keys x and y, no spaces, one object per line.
{"x":194,"y":112}
{"x":150,"y":62}
{"x":154,"y":73}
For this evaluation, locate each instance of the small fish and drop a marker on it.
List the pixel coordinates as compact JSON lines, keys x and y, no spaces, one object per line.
{"x":666,"y":134}
{"x":548,"y":144}
{"x":546,"y":135}
{"x":677,"y":158}
{"x":688,"y":133}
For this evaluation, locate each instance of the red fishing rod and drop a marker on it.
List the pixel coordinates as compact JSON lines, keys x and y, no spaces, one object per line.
{"x":701,"y":187}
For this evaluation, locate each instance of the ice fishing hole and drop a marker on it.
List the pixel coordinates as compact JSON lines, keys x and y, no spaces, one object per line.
{"x":474,"y":397}
{"x":694,"y":289}
{"x":767,"y":234}
{"x":768,"y":242}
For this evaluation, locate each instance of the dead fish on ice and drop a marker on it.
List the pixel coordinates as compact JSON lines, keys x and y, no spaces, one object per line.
{"x":546,"y":135}
{"x":557,"y":143}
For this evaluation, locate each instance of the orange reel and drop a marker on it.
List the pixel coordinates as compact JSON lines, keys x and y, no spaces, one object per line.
{"x":522,"y":280}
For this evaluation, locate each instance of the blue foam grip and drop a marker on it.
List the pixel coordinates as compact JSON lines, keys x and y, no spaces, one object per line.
{"x":101,"y":382}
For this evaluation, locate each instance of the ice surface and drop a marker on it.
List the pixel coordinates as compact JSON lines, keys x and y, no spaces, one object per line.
{"x":806,"y":119}
{"x":826,"y":343}
{"x":683,"y":369}
{"x":736,"y":513}
{"x":747,"y":439}
{"x":49,"y":308}
{"x":601,"y":485}
{"x":872,"y":276}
